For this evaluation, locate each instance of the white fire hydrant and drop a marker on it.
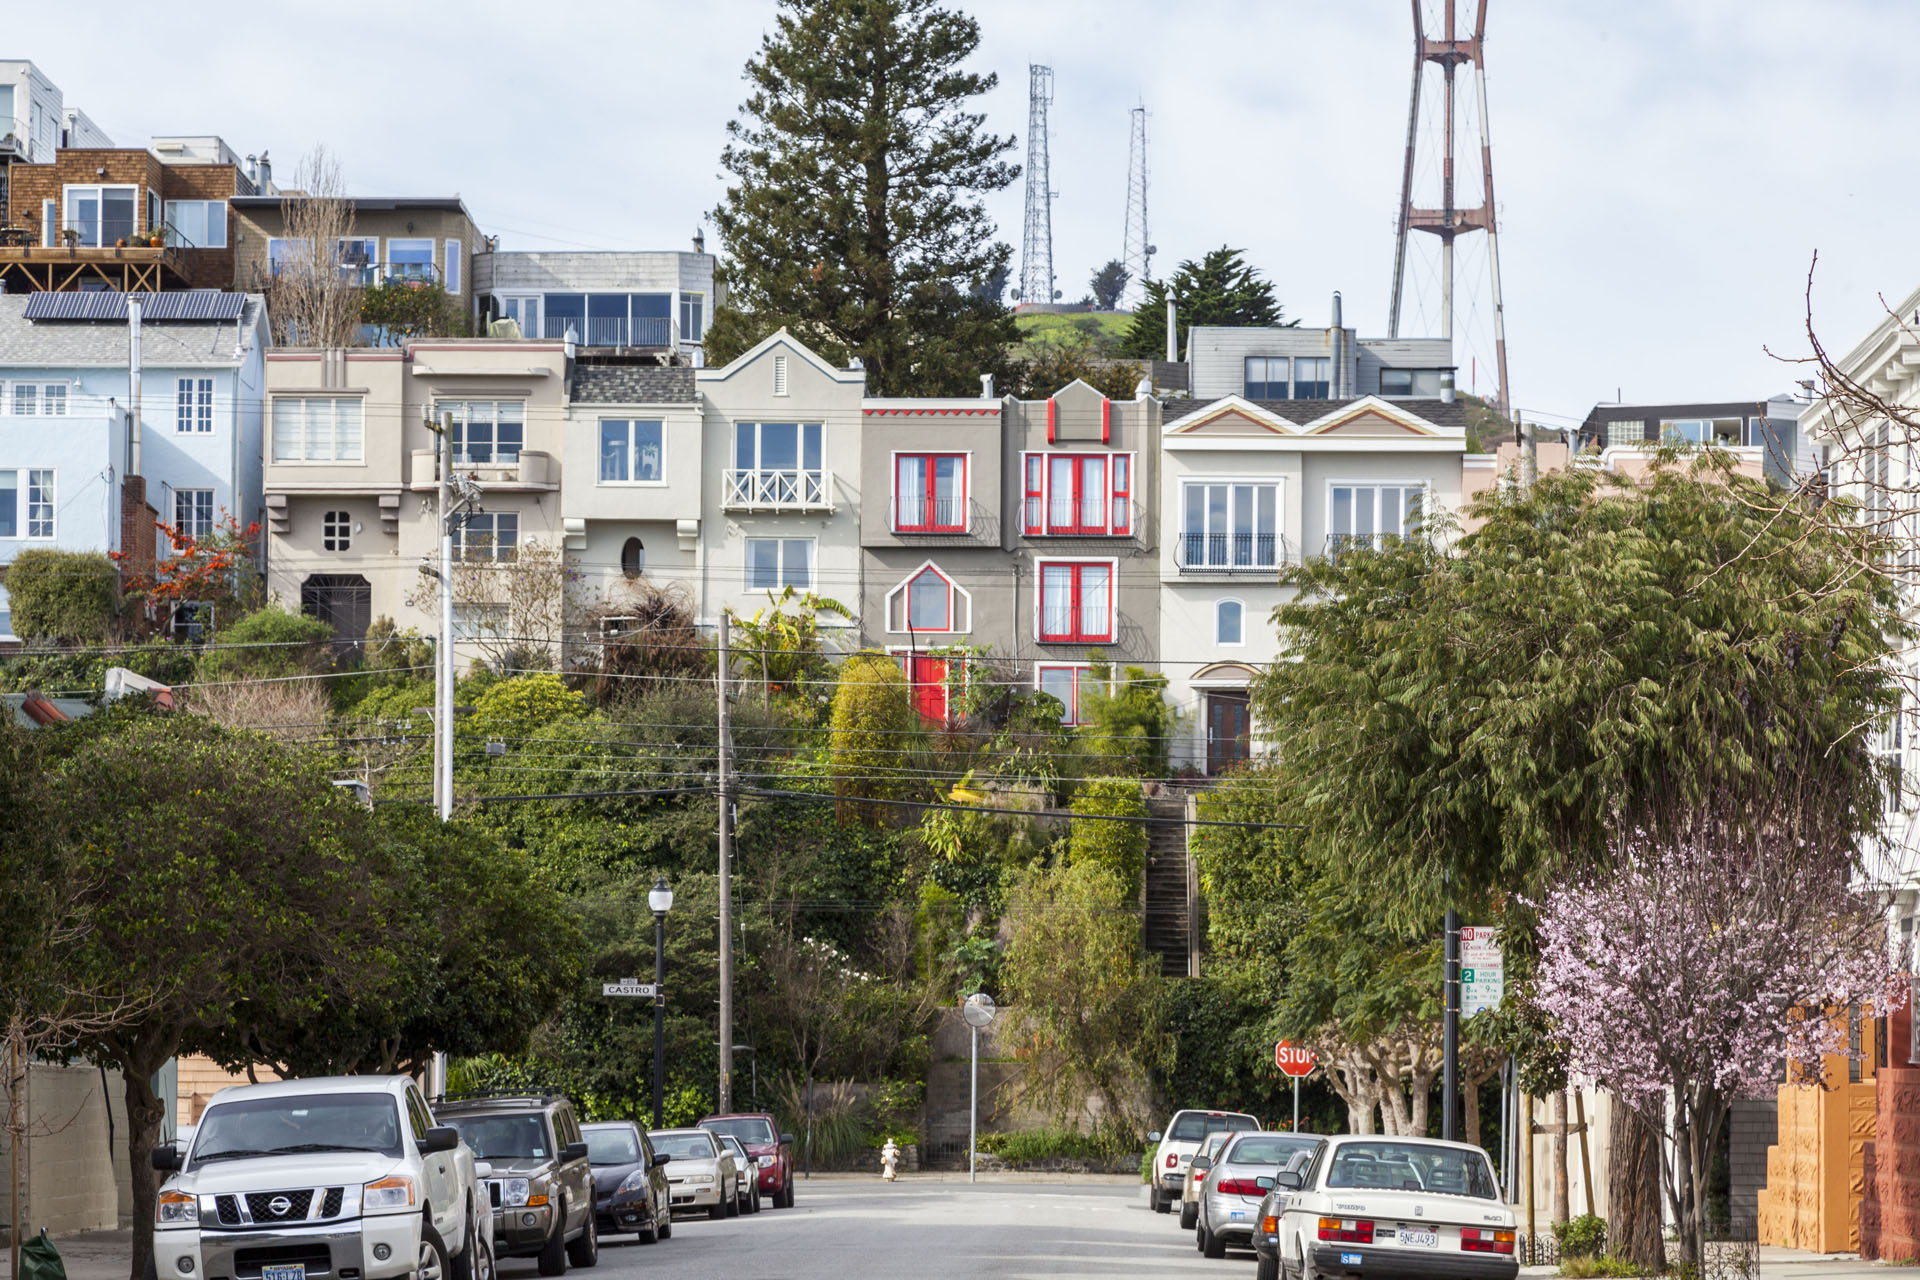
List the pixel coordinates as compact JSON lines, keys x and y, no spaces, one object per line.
{"x":889,"y":1160}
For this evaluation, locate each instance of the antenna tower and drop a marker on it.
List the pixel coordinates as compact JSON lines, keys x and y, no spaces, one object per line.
{"x":1449,"y":220}
{"x":1137,"y":252}
{"x":1036,"y":252}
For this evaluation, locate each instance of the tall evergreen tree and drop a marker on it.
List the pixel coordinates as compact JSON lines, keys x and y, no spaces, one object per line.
{"x":1221,"y":288}
{"x":854,"y":218}
{"x":1108,"y":283}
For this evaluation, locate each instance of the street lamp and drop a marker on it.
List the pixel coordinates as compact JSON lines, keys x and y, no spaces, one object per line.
{"x":660,"y":898}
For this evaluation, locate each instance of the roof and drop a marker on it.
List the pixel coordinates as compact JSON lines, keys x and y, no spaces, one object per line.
{"x":188,"y":304}
{"x":632,"y":384}
{"x":362,"y":204}
{"x":1703,"y":409}
{"x":37,"y":344}
{"x":313,"y":1084}
{"x":30,"y":710}
{"x":1429,"y":409}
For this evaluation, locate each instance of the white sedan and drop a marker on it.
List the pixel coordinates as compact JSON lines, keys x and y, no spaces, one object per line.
{"x":1370,"y":1205}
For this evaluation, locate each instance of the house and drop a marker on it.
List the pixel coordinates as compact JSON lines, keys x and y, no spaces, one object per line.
{"x":1294,"y":363}
{"x":32,"y":112}
{"x":351,"y":473}
{"x":77,"y":471}
{"x":1771,"y":427}
{"x":1251,"y":487}
{"x":425,"y":238}
{"x":651,"y":303}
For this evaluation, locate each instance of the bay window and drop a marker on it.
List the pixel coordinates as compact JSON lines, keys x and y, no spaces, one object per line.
{"x":630,"y":451}
{"x":1078,"y":493}
{"x":1076,"y":602}
{"x":485,"y":432}
{"x":930,"y":493}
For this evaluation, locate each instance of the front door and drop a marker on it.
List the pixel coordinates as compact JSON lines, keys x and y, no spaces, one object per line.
{"x":928,"y":677}
{"x":1227,"y":727}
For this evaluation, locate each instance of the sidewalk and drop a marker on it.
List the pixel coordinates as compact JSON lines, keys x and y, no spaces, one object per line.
{"x":96,"y":1255}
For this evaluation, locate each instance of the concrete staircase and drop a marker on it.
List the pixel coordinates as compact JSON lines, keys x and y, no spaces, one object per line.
{"x":1171,"y":891}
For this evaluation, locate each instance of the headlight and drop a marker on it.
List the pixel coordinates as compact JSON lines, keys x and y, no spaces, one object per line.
{"x":699,"y":1177}
{"x":636,"y":1181}
{"x":767,"y":1162}
{"x":388,"y":1193}
{"x":174,"y":1208}
{"x":513,"y":1192}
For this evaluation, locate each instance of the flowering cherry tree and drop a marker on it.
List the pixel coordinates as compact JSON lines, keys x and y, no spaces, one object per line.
{"x":1723,"y":938}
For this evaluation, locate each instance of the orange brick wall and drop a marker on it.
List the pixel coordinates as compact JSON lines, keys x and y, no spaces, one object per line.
{"x":1816,"y":1172}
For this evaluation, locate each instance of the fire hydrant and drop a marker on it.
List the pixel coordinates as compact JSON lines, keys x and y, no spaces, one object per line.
{"x":889,"y":1160}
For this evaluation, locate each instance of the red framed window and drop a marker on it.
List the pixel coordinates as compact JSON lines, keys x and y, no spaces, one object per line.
{"x":1076,"y":602}
{"x":1079,"y":493}
{"x":1063,"y":683}
{"x":930,"y":493}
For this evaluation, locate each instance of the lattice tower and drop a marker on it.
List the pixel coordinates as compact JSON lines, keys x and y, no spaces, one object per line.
{"x":1036,"y":250}
{"x":1137,"y":253}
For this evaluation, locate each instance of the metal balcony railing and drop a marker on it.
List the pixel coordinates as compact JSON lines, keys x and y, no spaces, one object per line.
{"x":410,"y":273}
{"x":610,"y":331}
{"x":940,"y":515}
{"x":1229,"y":552}
{"x":778,"y":490}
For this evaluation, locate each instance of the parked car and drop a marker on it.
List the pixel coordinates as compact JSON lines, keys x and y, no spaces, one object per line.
{"x":541,"y":1186}
{"x":1177,"y":1146}
{"x":749,"y":1172}
{"x":1367,"y":1205}
{"x":321,"y":1177}
{"x":629,"y":1181}
{"x":1236,"y":1181}
{"x":771,"y":1149}
{"x":1197,"y":1173}
{"x":702,"y":1175}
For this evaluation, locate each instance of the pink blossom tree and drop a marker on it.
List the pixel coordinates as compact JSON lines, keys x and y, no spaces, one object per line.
{"x":1724,"y":937}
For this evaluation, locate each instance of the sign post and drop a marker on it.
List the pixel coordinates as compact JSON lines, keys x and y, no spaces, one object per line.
{"x":978,"y":1010}
{"x":1296,"y":1062}
{"x":1483,"y":973}
{"x":631,"y":987}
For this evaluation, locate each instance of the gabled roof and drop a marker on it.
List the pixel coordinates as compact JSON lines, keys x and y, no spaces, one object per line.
{"x":1431,"y":412}
{"x":1362,"y":416}
{"x":1232,"y":416}
{"x":779,"y":337}
{"x":632,"y":384}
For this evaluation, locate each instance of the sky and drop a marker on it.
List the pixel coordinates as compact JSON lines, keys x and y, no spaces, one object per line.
{"x":1666,"y":169}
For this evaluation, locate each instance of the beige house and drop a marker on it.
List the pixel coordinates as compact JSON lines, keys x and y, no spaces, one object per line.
{"x":430,"y":238}
{"x":350,"y":477}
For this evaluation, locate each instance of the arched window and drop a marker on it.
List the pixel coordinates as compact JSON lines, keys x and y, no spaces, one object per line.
{"x":633,"y":558}
{"x":1229,"y":622}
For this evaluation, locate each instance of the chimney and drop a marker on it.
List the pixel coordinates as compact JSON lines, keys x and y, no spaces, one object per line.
{"x":1336,"y":309}
{"x":1336,"y":340}
{"x":1173,"y":335}
{"x":1446,"y":386}
{"x":699,"y":240}
{"x":133,"y":382}
{"x":253,"y":170}
{"x":266,"y":175}
{"x":986,"y":386}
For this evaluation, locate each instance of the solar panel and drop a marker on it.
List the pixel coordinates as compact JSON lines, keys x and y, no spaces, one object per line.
{"x":188,"y":304}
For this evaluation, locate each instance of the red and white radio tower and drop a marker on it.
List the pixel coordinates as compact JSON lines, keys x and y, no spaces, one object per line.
{"x":1450,"y":220}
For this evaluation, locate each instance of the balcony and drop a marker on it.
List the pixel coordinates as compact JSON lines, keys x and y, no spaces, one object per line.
{"x":527,"y":469}
{"x":1238,"y":553}
{"x":919,"y":515}
{"x":29,"y":268}
{"x":610,"y":331}
{"x":777,"y":491}
{"x":409,"y":273}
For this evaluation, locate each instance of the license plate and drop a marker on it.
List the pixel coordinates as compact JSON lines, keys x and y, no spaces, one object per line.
{"x":1349,"y":1259}
{"x":1413,"y":1238}
{"x":1235,"y":1214}
{"x":297,"y":1272}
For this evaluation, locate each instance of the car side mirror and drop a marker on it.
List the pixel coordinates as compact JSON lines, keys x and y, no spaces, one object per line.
{"x":167,"y":1158}
{"x":1265,"y":1184}
{"x":440,"y":1138}
{"x":1288,"y":1180}
{"x":1154,"y":1136}
{"x":786,"y":1139}
{"x":660,"y":1158}
{"x":1202,"y":1162}
{"x":481,"y":1169}
{"x":574,"y":1151}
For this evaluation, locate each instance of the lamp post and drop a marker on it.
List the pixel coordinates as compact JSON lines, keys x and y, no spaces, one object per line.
{"x":660,"y":898}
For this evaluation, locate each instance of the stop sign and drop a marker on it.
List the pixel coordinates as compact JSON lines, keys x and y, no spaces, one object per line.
{"x":1294,"y":1060}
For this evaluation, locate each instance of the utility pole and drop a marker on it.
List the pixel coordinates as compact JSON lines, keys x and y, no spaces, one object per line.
{"x":443,"y":673}
{"x":726,"y":874}
{"x":1450,"y":1030}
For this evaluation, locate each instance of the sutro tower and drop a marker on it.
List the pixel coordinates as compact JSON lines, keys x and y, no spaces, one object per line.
{"x":1449,"y":220}
{"x":1036,"y":251}
{"x":1137,"y":250}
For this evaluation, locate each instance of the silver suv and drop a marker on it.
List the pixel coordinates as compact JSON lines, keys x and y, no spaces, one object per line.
{"x":541,"y":1184}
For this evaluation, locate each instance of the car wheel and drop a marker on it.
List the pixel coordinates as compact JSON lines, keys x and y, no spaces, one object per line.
{"x":666,"y":1225}
{"x":733,"y":1202}
{"x":1305,"y":1271}
{"x":785,"y":1199}
{"x":585,"y":1251}
{"x":1158,"y":1200}
{"x":485,"y":1266}
{"x":460,"y":1266}
{"x":1189,"y":1214}
{"x":553,"y":1254}
{"x":1211,"y":1245}
{"x":432,"y":1263}
{"x":1266,"y":1268}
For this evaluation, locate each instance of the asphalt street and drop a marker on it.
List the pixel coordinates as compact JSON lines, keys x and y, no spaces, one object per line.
{"x":856,"y":1230}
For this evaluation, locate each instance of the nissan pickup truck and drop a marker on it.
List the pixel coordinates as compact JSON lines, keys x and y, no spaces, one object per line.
{"x":341,"y":1178}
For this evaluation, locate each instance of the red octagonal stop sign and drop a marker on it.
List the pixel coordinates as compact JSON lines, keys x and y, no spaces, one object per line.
{"x":1294,"y":1060}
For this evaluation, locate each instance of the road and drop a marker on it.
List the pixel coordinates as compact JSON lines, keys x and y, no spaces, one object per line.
{"x":921,"y":1230}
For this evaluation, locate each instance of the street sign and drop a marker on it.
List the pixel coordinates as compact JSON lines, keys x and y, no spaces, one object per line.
{"x":1294,"y":1060}
{"x":628,"y":987}
{"x":1483,"y":972}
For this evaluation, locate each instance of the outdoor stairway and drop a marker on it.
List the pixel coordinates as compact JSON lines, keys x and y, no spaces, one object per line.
{"x":1167,"y":904}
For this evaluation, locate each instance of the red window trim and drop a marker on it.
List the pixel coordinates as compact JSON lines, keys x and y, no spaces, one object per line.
{"x":1077,"y":633}
{"x":1033,"y":516}
{"x":1077,"y":671}
{"x":930,"y":525}
{"x":1120,"y":494}
{"x":1037,"y":512}
{"x":1052,"y":410}
{"x":1106,"y":421}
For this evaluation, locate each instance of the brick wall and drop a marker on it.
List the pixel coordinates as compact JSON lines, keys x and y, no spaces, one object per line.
{"x":32,"y":184}
{"x":137,"y":533}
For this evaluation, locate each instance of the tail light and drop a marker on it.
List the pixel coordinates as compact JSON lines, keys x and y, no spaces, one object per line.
{"x":1270,"y":1225}
{"x":1172,"y":1160}
{"x":1474,"y":1240}
{"x":1241,"y":1187}
{"x":1347,"y":1230}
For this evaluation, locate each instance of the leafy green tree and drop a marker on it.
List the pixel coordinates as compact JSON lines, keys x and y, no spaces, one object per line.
{"x":854,"y":217}
{"x":63,"y":595}
{"x":783,"y":646}
{"x":1119,"y":847}
{"x":1108,"y":283}
{"x":1219,"y":289}
{"x":518,"y":705}
{"x":269,"y":642}
{"x":1131,"y":727}
{"x":875,"y":728}
{"x":401,"y":310}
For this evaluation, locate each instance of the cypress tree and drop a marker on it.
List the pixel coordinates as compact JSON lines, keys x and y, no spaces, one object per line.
{"x":854,"y":216}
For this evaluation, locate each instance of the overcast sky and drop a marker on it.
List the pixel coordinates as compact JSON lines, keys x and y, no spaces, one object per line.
{"x":1666,"y":168}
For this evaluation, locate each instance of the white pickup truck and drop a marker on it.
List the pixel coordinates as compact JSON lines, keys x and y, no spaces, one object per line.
{"x":343,"y":1178}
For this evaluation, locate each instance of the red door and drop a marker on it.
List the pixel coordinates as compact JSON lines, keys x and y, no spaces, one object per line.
{"x":928,"y":676}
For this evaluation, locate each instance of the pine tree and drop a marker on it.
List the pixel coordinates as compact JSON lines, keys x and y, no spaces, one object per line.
{"x":854,"y":218}
{"x":1108,"y":283}
{"x":1219,"y":289}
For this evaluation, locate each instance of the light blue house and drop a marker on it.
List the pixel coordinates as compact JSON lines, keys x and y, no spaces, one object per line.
{"x":74,"y":474}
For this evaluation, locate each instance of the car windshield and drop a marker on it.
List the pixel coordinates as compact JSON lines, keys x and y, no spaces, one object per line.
{"x":612,"y":1146}
{"x":503,"y":1137}
{"x":1194,"y":1126}
{"x":685,"y":1146}
{"x":1411,"y":1166}
{"x":299,"y":1122}
{"x":1263,"y":1149}
{"x":746,"y":1130}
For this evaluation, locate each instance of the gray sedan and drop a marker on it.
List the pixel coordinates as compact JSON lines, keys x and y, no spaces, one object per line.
{"x":1231,"y":1194}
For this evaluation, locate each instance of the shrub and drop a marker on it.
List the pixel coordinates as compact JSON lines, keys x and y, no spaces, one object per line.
{"x":1119,"y":847}
{"x":288,"y":644}
{"x":1582,"y":1237}
{"x":1032,"y":1146}
{"x":63,"y":595}
{"x":515,"y":707}
{"x":1131,"y":729}
{"x":1604,"y":1267}
{"x":874,"y":727}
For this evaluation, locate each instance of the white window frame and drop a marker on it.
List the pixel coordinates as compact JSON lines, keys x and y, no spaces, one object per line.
{"x":499,"y":550}
{"x":1071,"y":715}
{"x":413,"y":244}
{"x":214,"y":239}
{"x":464,"y":422}
{"x":1220,"y":604}
{"x":1279,"y":485}
{"x":660,"y":467}
{"x":26,"y":480}
{"x":689,"y":299}
{"x":478,"y":620}
{"x":450,"y":275}
{"x":43,"y":396}
{"x":192,"y":498}
{"x":965,"y":499}
{"x":1373,"y":539}
{"x":781,"y":581}
{"x":299,"y":458}
{"x":959,"y":605}
{"x":1040,"y":565}
{"x":193,"y":406}
{"x":99,"y":191}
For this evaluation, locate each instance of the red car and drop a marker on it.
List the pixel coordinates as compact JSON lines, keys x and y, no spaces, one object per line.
{"x":771,"y":1150}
